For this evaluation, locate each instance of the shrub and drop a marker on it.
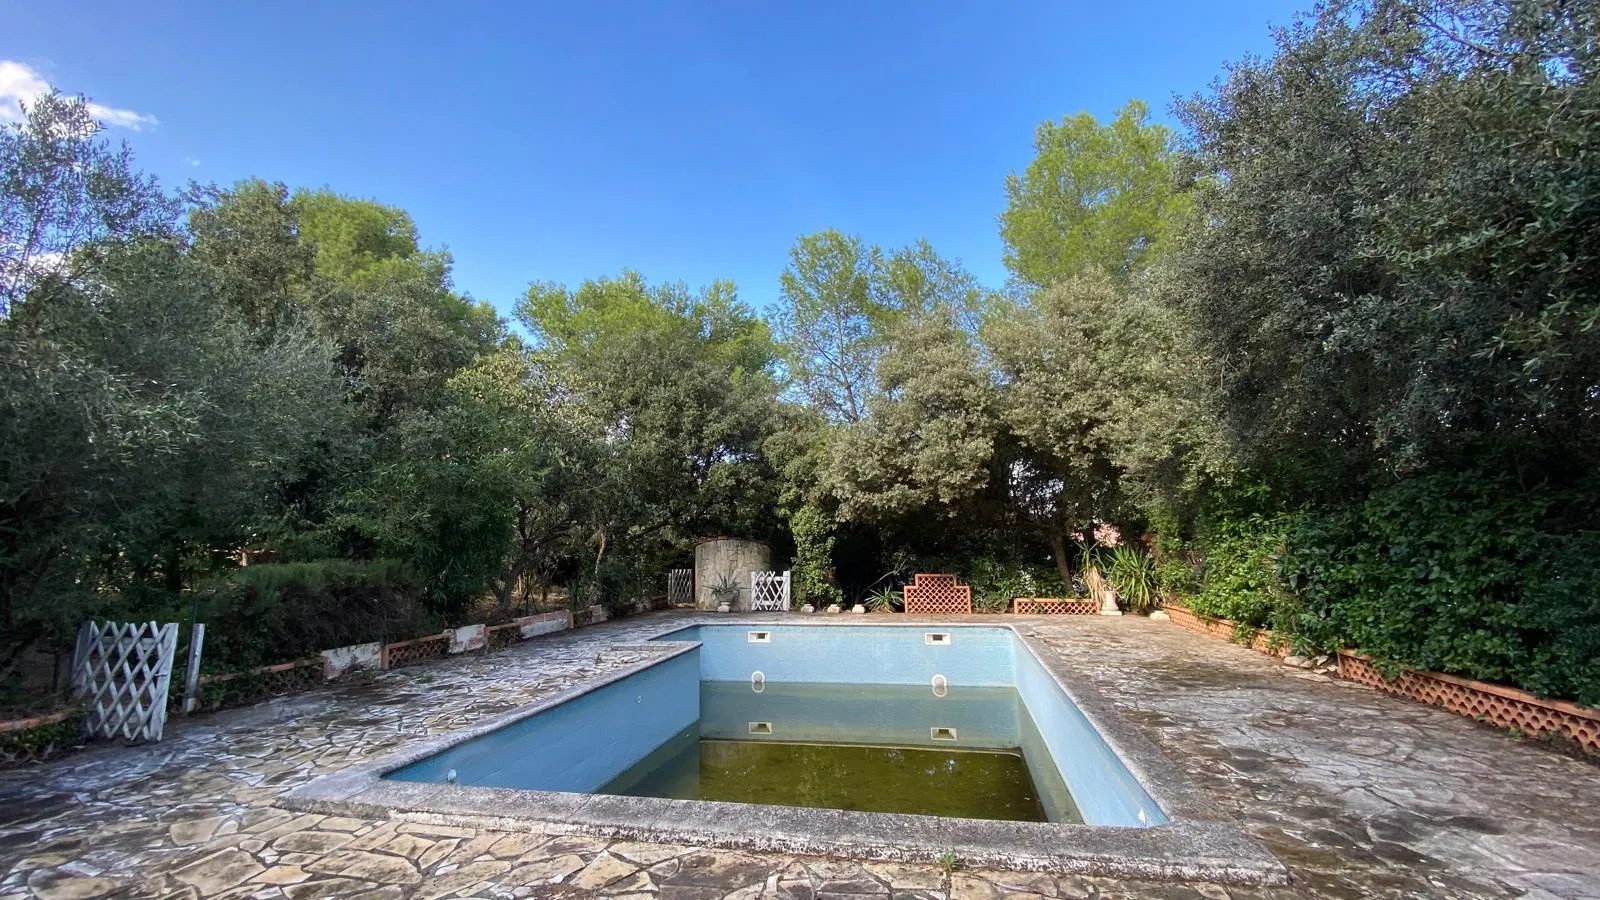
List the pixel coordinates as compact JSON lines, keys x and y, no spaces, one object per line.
{"x":995,"y":582}
{"x":814,"y":581}
{"x":1242,"y":578}
{"x":618,"y":583}
{"x":272,"y":613}
{"x":1461,"y":572}
{"x":1132,"y":572}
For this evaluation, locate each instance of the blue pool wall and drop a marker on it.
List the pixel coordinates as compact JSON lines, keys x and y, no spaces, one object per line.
{"x":581,"y":744}
{"x":984,"y":718}
{"x":1105,"y":792}
{"x":853,"y":654}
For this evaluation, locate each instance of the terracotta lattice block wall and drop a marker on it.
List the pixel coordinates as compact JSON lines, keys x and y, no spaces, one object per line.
{"x":1055,"y":606}
{"x":1260,"y":641}
{"x":498,"y":637}
{"x":937,"y":595}
{"x":407,"y":653}
{"x":1491,"y":703}
{"x":257,"y":684}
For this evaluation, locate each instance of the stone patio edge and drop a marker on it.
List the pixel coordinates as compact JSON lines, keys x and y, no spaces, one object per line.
{"x":1201,"y":843}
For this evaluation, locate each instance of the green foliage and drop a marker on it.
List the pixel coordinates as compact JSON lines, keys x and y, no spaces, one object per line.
{"x":1244,"y":559}
{"x":885,"y":600}
{"x":65,"y":193}
{"x":998,"y":580}
{"x":39,"y":743}
{"x":841,"y":300}
{"x":812,"y":573}
{"x":617,"y":583}
{"x":1133,"y":574}
{"x":725,"y":588}
{"x":1176,"y":580}
{"x":1095,"y":197}
{"x":927,"y":443}
{"x":1395,"y":256}
{"x":1103,"y":404}
{"x":276,"y":612}
{"x":1473,"y":573}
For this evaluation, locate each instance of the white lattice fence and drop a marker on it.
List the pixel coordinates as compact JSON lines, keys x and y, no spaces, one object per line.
{"x":121,"y":671}
{"x":680,"y":587}
{"x":769,"y":591}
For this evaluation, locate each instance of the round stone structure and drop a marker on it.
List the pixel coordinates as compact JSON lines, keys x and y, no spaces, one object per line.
{"x":726,"y":556}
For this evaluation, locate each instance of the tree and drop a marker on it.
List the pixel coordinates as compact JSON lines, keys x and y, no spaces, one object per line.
{"x":492,"y":489}
{"x":828,"y":322}
{"x":840,"y":299}
{"x":1095,"y":196}
{"x":1394,"y":261}
{"x":354,"y":271}
{"x":928,"y":441}
{"x":63,"y":190}
{"x":680,"y":384}
{"x":147,"y":427}
{"x":1103,"y":396}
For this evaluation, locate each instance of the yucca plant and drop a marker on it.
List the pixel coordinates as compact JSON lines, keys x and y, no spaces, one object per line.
{"x":725,"y":589}
{"x":1133,"y":573}
{"x":883,"y":600}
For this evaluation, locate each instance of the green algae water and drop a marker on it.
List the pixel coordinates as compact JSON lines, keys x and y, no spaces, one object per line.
{"x":873,"y":748}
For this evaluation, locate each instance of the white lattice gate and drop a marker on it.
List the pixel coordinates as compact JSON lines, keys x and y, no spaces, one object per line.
{"x":769,"y":591}
{"x":680,"y":587}
{"x":121,"y":672}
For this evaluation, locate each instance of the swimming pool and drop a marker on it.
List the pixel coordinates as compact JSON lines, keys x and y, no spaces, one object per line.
{"x":690,"y":743}
{"x":962,"y":690}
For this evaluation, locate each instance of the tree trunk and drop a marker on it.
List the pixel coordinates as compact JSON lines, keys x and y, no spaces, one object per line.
{"x":1060,"y":549}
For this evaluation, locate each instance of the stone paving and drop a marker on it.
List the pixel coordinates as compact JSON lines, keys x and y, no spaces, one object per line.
{"x":1360,"y":794}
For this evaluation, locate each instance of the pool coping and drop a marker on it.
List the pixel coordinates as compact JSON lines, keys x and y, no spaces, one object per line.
{"x":1201,"y":842}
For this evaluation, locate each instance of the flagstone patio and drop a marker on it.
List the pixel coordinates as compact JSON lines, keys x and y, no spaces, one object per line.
{"x":1358,"y":793}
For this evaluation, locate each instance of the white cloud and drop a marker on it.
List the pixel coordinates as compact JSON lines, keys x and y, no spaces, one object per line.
{"x":191,"y":161}
{"x":19,"y":83}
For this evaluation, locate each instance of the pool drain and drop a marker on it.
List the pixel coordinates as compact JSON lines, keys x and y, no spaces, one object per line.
{"x":941,"y":733}
{"x":758,"y":681}
{"x":941,"y":686}
{"x":760,"y":727}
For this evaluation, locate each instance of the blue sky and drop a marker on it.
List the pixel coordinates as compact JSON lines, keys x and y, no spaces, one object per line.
{"x":690,"y":141}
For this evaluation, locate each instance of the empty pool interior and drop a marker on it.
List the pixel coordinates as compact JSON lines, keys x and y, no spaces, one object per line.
{"x":949,"y":721}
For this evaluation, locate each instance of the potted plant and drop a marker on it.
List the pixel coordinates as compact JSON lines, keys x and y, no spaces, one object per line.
{"x":725,"y":591}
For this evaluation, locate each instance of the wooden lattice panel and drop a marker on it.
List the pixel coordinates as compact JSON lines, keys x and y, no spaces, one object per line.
{"x":1055,"y":606}
{"x":769,"y":591}
{"x":680,"y":587}
{"x":1490,"y":703}
{"x":937,"y":595}
{"x":421,"y":650}
{"x":122,"y":671}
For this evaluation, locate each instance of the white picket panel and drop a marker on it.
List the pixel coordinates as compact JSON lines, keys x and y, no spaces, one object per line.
{"x":121,"y":672}
{"x":680,"y":587}
{"x":769,"y":591}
